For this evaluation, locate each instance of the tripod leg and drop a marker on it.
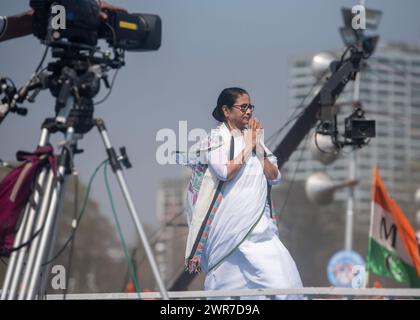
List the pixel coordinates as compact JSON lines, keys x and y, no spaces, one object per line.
{"x":46,"y":221}
{"x":39,"y":225}
{"x":11,"y":267}
{"x":116,"y":167}
{"x":28,"y":232}
{"x":16,"y":261}
{"x":46,"y":269}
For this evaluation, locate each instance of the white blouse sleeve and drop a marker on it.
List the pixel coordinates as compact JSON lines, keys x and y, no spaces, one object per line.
{"x":217,"y":160}
{"x":273,"y":159}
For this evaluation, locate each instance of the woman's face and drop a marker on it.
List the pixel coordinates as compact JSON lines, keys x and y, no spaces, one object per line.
{"x":235,"y":116}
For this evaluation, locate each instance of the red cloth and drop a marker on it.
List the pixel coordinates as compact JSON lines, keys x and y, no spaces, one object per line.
{"x":15,"y":190}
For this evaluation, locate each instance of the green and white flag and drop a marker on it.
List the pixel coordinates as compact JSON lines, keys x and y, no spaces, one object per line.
{"x":393,"y":247}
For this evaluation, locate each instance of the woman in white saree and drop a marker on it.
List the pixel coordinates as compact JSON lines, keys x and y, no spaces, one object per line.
{"x":234,"y":238}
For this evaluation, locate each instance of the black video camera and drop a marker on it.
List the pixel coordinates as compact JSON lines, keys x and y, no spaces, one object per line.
{"x":83,"y":25}
{"x":357,"y":128}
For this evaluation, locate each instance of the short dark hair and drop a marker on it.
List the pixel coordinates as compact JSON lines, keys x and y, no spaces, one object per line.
{"x":227,"y":98}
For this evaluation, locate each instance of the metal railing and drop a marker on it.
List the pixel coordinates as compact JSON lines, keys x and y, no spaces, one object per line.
{"x":295,"y":293}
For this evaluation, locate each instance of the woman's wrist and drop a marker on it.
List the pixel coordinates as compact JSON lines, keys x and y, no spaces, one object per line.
{"x":246,"y":152}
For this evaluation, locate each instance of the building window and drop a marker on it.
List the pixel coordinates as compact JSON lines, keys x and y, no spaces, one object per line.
{"x":383,"y":92}
{"x":301,"y":64}
{"x":399,"y":83}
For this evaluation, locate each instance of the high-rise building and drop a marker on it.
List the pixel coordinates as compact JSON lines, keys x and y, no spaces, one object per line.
{"x":170,"y":242}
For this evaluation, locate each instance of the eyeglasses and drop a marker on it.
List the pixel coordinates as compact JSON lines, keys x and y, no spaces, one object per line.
{"x":244,"y":107}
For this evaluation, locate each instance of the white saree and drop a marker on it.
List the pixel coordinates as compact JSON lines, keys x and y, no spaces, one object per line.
{"x":242,"y":249}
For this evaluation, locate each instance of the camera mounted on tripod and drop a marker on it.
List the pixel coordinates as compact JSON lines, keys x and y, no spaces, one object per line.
{"x":74,"y":77}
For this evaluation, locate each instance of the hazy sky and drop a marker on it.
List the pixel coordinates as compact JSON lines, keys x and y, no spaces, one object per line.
{"x":207,"y":45}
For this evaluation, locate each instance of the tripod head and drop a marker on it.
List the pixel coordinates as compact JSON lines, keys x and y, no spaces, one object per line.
{"x":74,"y":79}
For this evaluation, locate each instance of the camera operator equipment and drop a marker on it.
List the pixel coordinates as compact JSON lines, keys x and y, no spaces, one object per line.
{"x":74,"y":79}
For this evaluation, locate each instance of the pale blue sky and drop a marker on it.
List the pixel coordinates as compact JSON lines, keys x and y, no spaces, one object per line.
{"x":206,"y":46}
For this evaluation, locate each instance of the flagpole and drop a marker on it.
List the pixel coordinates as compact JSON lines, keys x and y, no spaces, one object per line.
{"x":372,"y":208}
{"x":354,"y":159}
{"x":348,"y":236}
{"x":366,"y":284}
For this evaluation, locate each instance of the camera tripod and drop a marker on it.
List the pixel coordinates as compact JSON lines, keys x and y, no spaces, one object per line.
{"x":74,"y":82}
{"x":26,"y":274}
